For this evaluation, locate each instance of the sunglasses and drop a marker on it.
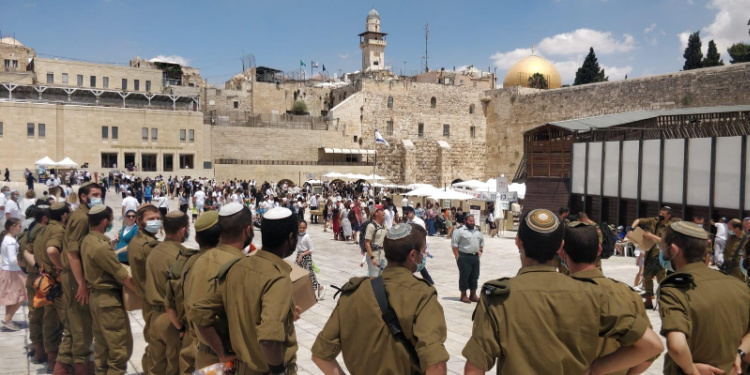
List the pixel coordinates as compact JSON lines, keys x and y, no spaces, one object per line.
{"x":129,"y":216}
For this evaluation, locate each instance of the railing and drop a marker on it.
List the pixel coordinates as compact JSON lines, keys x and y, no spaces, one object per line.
{"x":290,"y":162}
{"x":247,"y":119}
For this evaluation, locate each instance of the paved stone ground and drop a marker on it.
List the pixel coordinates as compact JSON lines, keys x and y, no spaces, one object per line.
{"x":339,"y":261}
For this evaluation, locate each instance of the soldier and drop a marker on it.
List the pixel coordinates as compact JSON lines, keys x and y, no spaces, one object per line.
{"x":580,"y":251}
{"x":651,"y":267}
{"x":165,"y":334}
{"x":733,"y":252}
{"x":149,"y":222}
{"x":540,"y":305}
{"x":106,"y":277}
{"x":47,"y":254}
{"x":702,"y":327}
{"x":235,"y":221}
{"x":207,"y":234}
{"x":256,"y":289}
{"x":356,"y":326}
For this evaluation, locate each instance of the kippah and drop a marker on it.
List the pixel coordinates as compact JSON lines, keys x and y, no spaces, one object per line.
{"x":175,"y":214}
{"x":576,"y":223}
{"x":542,"y":221}
{"x":277,"y":213}
{"x":97,"y":209}
{"x":230,"y":209}
{"x":57,"y":206}
{"x":398,"y":231}
{"x":42,"y":206}
{"x":141,"y":207}
{"x":666,"y":208}
{"x":206,"y":221}
{"x":83,"y":185}
{"x":689,"y":229}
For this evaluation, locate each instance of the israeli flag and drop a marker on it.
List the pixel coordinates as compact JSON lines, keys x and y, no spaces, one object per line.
{"x":379,"y":139}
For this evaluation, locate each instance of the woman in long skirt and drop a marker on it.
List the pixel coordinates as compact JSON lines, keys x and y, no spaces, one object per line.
{"x":12,"y":278}
{"x":346,"y":225}
{"x":304,"y":257}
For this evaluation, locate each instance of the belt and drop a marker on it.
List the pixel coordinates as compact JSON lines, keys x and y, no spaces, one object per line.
{"x":470,"y":254}
{"x":158,"y":308}
{"x":243,"y":369}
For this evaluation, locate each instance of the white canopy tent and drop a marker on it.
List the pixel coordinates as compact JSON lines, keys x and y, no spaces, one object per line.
{"x":450,"y":194}
{"x":472,"y":184}
{"x":46,"y":162}
{"x":334,"y":175}
{"x":422,"y":191}
{"x":67,"y":163}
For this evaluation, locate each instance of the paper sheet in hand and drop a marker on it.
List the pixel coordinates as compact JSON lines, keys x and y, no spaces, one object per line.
{"x":638,"y":237}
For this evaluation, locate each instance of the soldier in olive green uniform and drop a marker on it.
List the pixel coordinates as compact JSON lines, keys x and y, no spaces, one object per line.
{"x":651,"y":266}
{"x":165,"y":332}
{"x":580,"y":251}
{"x":106,"y":277}
{"x":47,"y":253}
{"x":149,"y":222}
{"x":703,"y":328}
{"x":252,"y":290}
{"x":356,"y":326}
{"x":542,"y":322}
{"x":75,"y":290}
{"x":733,"y":252}
{"x":207,"y":235}
{"x":233,"y":220}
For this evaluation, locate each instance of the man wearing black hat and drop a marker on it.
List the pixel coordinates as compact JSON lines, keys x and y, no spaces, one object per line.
{"x":651,"y":267}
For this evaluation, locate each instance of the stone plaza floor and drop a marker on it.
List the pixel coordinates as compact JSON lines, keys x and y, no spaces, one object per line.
{"x":338,"y":261}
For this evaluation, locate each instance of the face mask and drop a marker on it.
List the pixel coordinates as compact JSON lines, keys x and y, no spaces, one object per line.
{"x":302,"y":234}
{"x":661,"y":218}
{"x":153,"y":226}
{"x":109,"y":227}
{"x":187,"y":235}
{"x":421,"y":265}
{"x":94,"y":201}
{"x":731,"y":233}
{"x":7,"y":194}
{"x":667,"y":264}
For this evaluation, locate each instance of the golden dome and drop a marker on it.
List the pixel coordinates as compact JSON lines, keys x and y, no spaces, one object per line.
{"x":519,"y":73}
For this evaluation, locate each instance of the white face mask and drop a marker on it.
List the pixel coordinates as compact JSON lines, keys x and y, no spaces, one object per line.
{"x":153,"y":226}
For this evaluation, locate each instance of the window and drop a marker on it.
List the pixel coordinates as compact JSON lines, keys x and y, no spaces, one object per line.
{"x":115,"y":132}
{"x":182,"y":135}
{"x":148,"y":86}
{"x":236,"y":104}
{"x":42,"y":130}
{"x":1,"y":129}
{"x":7,"y":63}
{"x":420,"y":130}
{"x":148,"y":162}
{"x":473,"y":131}
{"x":433,"y":102}
{"x":446,"y":130}
{"x":15,"y":63}
{"x":144,"y":134}
{"x":389,"y":128}
{"x":30,"y":129}
{"x":105,"y":82}
{"x":109,"y":160}
{"x":105,"y":132}
{"x":154,"y":134}
{"x":186,"y":161}
{"x":124,"y":83}
{"x":65,"y":78}
{"x":471,"y":109}
{"x":79,"y":80}
{"x":92,"y":81}
{"x":50,"y":77}
{"x":191,"y":135}
{"x":136,"y":85}
{"x":168,"y":162}
{"x":390,"y":102}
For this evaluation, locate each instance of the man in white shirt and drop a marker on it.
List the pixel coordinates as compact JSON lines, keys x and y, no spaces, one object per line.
{"x":199,"y":199}
{"x":12,"y":209}
{"x":404,"y":202}
{"x":720,"y":241}
{"x":388,"y":217}
{"x":3,"y":203}
{"x":129,"y":203}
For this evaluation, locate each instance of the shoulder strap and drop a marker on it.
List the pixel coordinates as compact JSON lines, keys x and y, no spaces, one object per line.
{"x":390,"y":318}
{"x":223,"y":271}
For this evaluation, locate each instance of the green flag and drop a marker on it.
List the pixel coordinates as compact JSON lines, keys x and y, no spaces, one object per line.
{"x":302,"y":63}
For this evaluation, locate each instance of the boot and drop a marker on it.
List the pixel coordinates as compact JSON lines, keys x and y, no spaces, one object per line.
{"x":473,"y":297}
{"x":51,"y":361}
{"x":649,"y":303}
{"x":91,"y":367}
{"x":80,"y":368}
{"x":30,"y":350}
{"x":63,"y":369}
{"x":464,"y":299}
{"x":39,"y":355}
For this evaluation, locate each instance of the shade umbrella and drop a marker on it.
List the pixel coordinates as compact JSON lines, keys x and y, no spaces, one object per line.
{"x":450,"y":194}
{"x":66,"y":163}
{"x":45,"y":162}
{"x":422,"y":191}
{"x":333,"y":175}
{"x":372,"y":177}
{"x":472,"y":184}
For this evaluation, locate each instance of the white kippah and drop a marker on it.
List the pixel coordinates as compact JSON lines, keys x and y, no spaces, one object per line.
{"x":230,"y":209}
{"x":277,"y":213}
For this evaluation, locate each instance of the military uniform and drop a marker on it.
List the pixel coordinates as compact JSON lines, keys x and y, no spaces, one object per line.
{"x":201,"y":269}
{"x":515,"y":315}
{"x":165,"y":339}
{"x":79,"y":316}
{"x":255,"y":289}
{"x":651,"y":266}
{"x":138,"y":250}
{"x":713,"y":322}
{"x":469,"y":244}
{"x":733,"y":256}
{"x":111,"y":325}
{"x":36,"y":316}
{"x":176,"y":301}
{"x":356,"y":326}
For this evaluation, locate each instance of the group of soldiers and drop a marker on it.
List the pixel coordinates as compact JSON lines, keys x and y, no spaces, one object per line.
{"x":216,"y":305}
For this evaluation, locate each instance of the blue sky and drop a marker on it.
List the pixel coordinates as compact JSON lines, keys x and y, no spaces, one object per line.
{"x":634,"y":37}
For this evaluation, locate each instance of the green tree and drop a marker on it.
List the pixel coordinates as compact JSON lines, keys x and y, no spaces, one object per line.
{"x":693,"y":55}
{"x":590,"y":71}
{"x":712,"y":56}
{"x":739,"y":52}
{"x":537,"y":81}
{"x":299,"y":108}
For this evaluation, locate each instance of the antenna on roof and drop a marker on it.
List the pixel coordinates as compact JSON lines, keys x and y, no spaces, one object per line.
{"x":426,"y":35}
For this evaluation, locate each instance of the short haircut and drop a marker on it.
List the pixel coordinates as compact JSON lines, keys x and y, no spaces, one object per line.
{"x":87,"y":189}
{"x":582,"y":243}
{"x":563,"y":210}
{"x":41,"y":210}
{"x":275,"y":232}
{"x":143,"y":209}
{"x":208,"y":238}
{"x":398,"y":250}
{"x":735,"y":223}
{"x":173,"y":224}
{"x":694,"y":249}
{"x":541,"y":247}
{"x":58,"y":214}
{"x":96,"y":219}
{"x":232,"y":226}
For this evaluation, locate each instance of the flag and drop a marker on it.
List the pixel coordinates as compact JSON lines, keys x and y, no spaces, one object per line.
{"x":302,"y":63}
{"x":324,"y":67}
{"x":314,"y":64}
{"x":379,"y":139}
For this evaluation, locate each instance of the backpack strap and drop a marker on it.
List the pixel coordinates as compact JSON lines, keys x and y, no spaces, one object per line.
{"x":390,"y":318}
{"x":223,"y":271}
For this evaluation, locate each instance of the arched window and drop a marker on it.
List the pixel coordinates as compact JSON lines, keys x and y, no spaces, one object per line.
{"x":433,"y":102}
{"x":390,"y":102}
{"x":471,"y":109}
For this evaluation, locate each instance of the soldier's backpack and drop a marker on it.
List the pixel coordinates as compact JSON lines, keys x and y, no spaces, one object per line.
{"x":608,"y":241}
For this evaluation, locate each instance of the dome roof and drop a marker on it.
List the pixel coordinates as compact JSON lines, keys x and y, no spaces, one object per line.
{"x":373,"y":14}
{"x":520,"y":72}
{"x":10,"y":40}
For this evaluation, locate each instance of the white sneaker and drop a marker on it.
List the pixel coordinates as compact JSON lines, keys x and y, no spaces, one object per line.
{"x":10,"y":326}
{"x":321,"y":293}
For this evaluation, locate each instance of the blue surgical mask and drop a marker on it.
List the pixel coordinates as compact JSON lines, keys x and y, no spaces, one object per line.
{"x":421,"y":265}
{"x":667,"y":264}
{"x":302,"y":234}
{"x":94,"y":201}
{"x":109,"y":227}
{"x":153,"y":226}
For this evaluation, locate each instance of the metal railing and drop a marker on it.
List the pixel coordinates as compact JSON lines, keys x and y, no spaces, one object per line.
{"x":247,"y":119}
{"x":290,"y":162}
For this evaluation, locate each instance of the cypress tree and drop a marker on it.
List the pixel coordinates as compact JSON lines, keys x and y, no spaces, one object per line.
{"x":712,"y":56}
{"x":693,"y":55}
{"x":590,"y":71}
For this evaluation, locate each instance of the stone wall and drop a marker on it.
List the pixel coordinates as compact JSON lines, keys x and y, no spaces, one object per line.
{"x":511,"y":111}
{"x":267,"y":98}
{"x":115,"y":74}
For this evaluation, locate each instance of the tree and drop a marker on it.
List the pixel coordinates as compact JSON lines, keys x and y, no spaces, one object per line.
{"x":590,"y":71}
{"x":739,"y":52}
{"x":693,"y":54}
{"x":299,"y":108}
{"x":712,"y":56}
{"x":537,"y":81}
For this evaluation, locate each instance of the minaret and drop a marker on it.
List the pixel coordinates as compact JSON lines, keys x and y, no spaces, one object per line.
{"x":372,"y":43}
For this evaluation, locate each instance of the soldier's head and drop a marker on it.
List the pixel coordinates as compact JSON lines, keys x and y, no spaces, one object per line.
{"x":100,"y":218}
{"x":279,"y":231}
{"x":404,"y":246}
{"x":735,"y":227}
{"x":665,"y":213}
{"x":41,"y":211}
{"x":699,"y":219}
{"x":177,"y":226}
{"x":59,"y":211}
{"x":148,"y":218}
{"x":90,"y":193}
{"x":563,"y":212}
{"x":207,"y":230}
{"x":581,"y":244}
{"x":540,"y":236}
{"x":236,"y":222}
{"x":683,"y":242}
{"x":746,"y":224}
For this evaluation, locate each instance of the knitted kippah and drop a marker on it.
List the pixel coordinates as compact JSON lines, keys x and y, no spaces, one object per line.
{"x":542,"y":221}
{"x":99,"y":208}
{"x":398,"y":231}
{"x":689,"y":229}
{"x":175,"y":214}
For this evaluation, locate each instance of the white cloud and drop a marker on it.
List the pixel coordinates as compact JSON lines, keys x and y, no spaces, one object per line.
{"x":172,"y":59}
{"x":729,"y":26}
{"x":579,"y":41}
{"x":343,"y":56}
{"x":617,"y":73}
{"x":507,"y":59}
{"x":650,"y":28}
{"x":568,"y":69}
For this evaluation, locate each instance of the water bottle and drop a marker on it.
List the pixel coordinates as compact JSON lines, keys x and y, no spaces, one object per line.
{"x":216,"y":369}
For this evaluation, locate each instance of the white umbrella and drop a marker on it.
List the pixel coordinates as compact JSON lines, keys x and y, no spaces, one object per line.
{"x":66,"y":163}
{"x":373,"y":177}
{"x":472,"y":184}
{"x":450,"y":194}
{"x":333,"y":175}
{"x":314,"y":182}
{"x":46,"y":162}
{"x":422,"y":191}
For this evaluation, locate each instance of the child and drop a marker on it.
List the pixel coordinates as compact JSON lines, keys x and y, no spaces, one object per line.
{"x":195,"y":213}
